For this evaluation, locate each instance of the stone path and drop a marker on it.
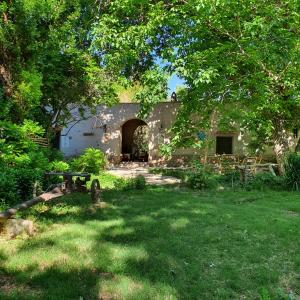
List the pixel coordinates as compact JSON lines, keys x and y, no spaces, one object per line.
{"x":156,"y":179}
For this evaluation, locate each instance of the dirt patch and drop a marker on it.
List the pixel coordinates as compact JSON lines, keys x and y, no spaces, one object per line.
{"x":108,"y":296}
{"x":249,"y":199}
{"x":8,"y":285}
{"x":292,"y":213}
{"x":155,"y":179}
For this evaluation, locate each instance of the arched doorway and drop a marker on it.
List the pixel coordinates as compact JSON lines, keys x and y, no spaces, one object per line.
{"x":135,"y":140}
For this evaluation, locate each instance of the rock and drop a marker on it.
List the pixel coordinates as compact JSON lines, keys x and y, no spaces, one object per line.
{"x":15,"y":227}
{"x":101,"y":204}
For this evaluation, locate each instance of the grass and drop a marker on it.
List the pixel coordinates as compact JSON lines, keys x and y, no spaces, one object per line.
{"x":162,"y":243}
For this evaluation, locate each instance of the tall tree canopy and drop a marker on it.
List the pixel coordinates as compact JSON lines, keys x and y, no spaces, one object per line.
{"x":238,"y":57}
{"x":242,"y":53}
{"x":46,"y":68}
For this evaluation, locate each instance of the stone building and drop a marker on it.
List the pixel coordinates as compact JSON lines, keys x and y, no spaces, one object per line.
{"x":112,"y":130}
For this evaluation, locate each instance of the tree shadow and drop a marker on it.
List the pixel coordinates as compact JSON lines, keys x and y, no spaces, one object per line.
{"x":162,"y":241}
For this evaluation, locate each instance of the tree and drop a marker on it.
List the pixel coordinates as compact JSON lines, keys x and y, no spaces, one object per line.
{"x":236,"y":56}
{"x":46,"y":67}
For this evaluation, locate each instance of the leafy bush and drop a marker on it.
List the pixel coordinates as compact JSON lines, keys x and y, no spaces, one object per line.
{"x":292,"y":171}
{"x":263,"y":181}
{"x":140,"y":182}
{"x":22,"y":161}
{"x":52,"y":154}
{"x":16,"y":184}
{"x":32,"y":160}
{"x":126,"y":184}
{"x":231,"y":178}
{"x":201,"y":178}
{"x":177,"y":173}
{"x":8,"y":188}
{"x":59,"y":166}
{"x":122,"y":184}
{"x":17,"y":149}
{"x":26,"y":178}
{"x":91,"y":161}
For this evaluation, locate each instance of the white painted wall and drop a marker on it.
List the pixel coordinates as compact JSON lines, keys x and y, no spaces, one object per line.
{"x":73,"y":141}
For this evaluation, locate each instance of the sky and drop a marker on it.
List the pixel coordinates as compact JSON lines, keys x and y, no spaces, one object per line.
{"x":173,"y":82}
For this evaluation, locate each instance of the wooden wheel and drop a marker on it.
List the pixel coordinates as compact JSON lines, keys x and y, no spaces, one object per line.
{"x":95,"y":191}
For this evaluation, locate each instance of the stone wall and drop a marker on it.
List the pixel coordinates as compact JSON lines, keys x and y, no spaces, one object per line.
{"x":105,"y":132}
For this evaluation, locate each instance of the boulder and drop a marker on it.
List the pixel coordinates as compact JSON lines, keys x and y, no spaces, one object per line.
{"x":15,"y":227}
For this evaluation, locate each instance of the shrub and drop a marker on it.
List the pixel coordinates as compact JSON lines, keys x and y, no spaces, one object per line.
{"x":59,"y":166}
{"x":16,"y":185}
{"x":25,"y":179}
{"x":52,"y":154}
{"x":177,"y":173}
{"x":123,"y":184}
{"x":230,"y":178}
{"x":126,"y":184}
{"x":292,"y":171}
{"x":32,"y":160}
{"x":262,"y":181}
{"x":140,"y":182}
{"x":91,"y":161}
{"x":8,"y":187}
{"x":201,"y":178}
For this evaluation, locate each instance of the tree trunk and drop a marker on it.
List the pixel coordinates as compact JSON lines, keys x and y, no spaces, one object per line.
{"x":297,"y":147}
{"x":55,"y":193}
{"x":5,"y":78}
{"x":5,"y":72}
{"x":281,"y":148}
{"x":210,"y":132}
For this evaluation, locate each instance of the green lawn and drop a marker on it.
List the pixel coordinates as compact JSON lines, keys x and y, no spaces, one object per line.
{"x":162,"y":243}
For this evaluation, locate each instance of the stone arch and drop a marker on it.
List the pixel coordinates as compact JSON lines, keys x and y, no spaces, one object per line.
{"x":130,"y":149}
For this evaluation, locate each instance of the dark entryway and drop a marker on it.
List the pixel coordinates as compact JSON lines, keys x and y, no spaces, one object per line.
{"x":135,"y":140}
{"x":224,"y":145}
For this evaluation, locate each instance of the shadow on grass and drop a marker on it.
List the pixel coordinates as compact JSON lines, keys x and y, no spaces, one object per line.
{"x":50,"y":284}
{"x":162,"y":242}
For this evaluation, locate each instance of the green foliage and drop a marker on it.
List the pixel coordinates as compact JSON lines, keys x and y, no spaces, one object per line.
{"x":140,"y":182}
{"x":200,"y":177}
{"x":48,"y":62}
{"x":22,"y":162}
{"x":292,"y":171}
{"x":17,"y":184}
{"x":231,"y":176}
{"x":92,"y":161}
{"x":177,"y":173}
{"x":238,"y":58}
{"x":28,"y":91}
{"x":59,"y":166}
{"x":8,"y":187}
{"x":122,"y":184}
{"x":26,"y":178}
{"x":159,"y":233}
{"x":32,"y":160}
{"x":141,"y":138}
{"x":17,"y":149}
{"x":127,"y":184}
{"x":154,"y":87}
{"x":265,"y":181}
{"x":52,"y":154}
{"x":31,"y":128}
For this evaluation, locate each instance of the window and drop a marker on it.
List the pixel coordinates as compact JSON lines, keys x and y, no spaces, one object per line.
{"x":224,"y":145}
